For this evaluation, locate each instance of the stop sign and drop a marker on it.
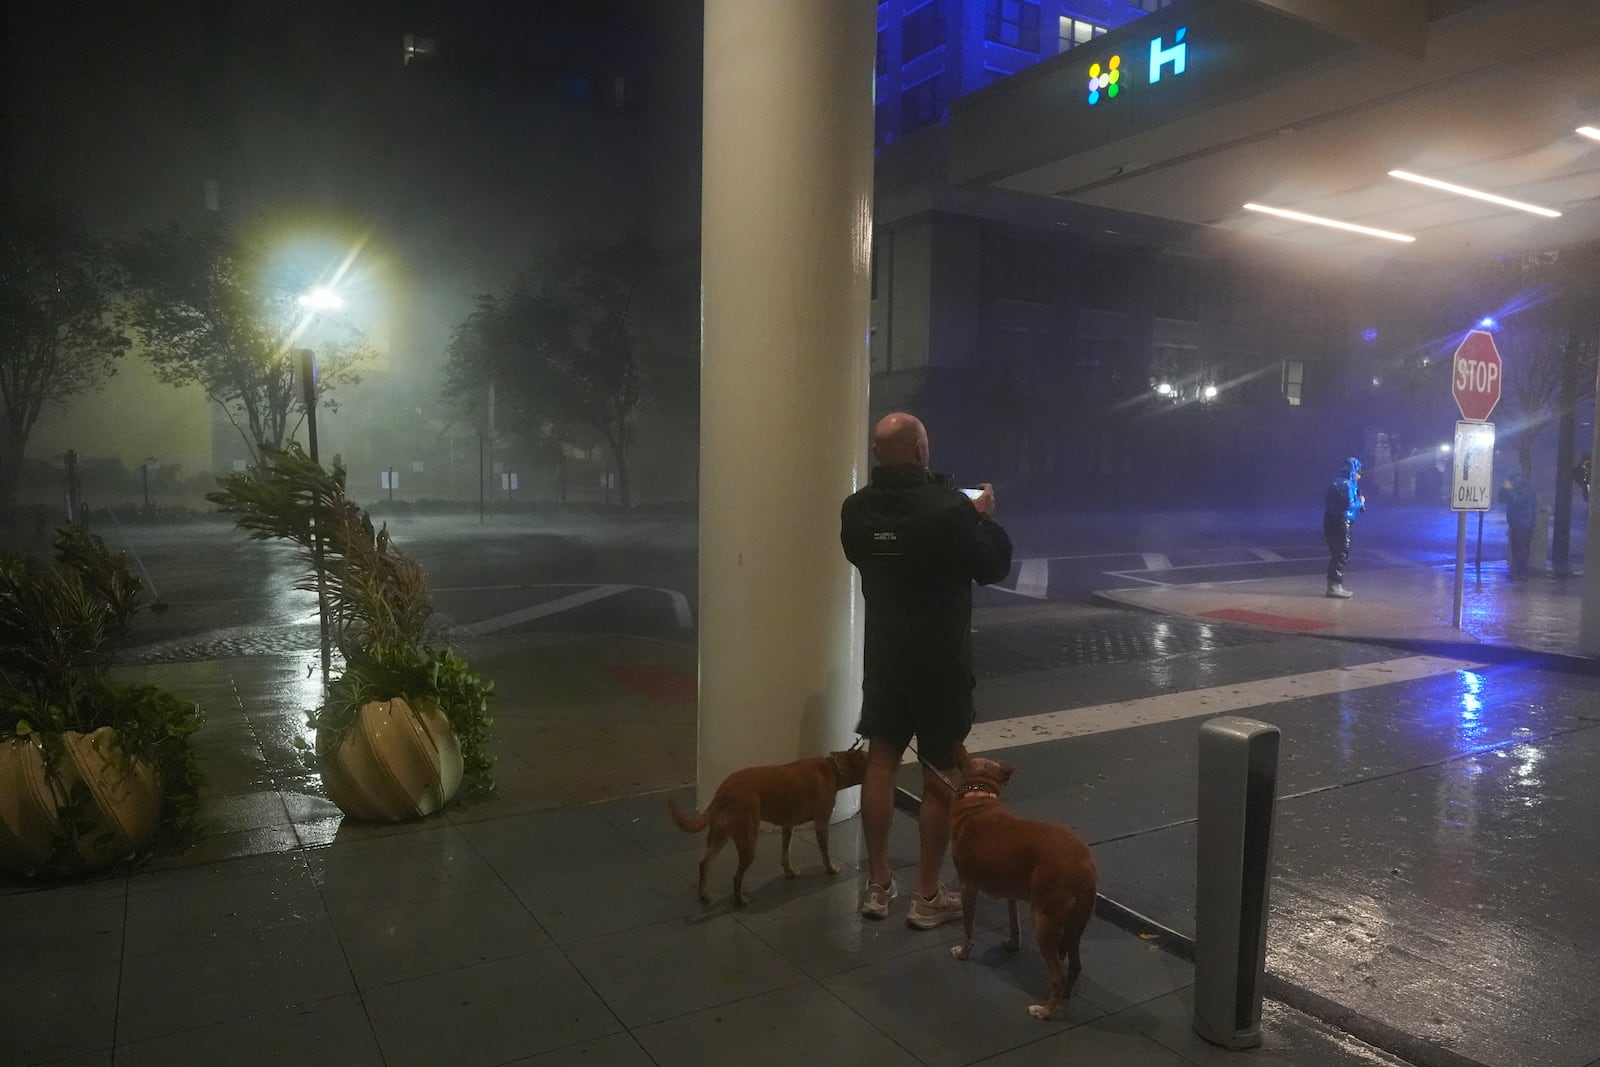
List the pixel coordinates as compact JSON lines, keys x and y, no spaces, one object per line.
{"x":1475,"y":377}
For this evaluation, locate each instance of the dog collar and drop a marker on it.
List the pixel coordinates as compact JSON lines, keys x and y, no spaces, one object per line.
{"x":977,"y":789}
{"x":838,"y":772}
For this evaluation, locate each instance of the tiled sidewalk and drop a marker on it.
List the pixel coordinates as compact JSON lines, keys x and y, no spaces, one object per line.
{"x":559,"y":937}
{"x":556,"y":924}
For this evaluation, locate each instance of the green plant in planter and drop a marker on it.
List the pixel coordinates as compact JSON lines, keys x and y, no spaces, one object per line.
{"x":377,"y":603}
{"x":91,"y":769}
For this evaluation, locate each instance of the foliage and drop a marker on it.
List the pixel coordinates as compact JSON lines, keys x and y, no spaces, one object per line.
{"x":211,"y":310}
{"x":58,"y":626}
{"x":563,"y":346}
{"x":438,"y":676}
{"x":377,"y":601}
{"x":57,"y":338}
{"x":377,"y":598}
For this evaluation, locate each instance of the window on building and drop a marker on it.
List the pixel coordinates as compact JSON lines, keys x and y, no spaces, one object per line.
{"x":1074,"y":32}
{"x":1294,"y":377}
{"x":1177,"y":292}
{"x":1107,"y":282}
{"x":1013,"y":22}
{"x":1152,"y":5}
{"x":882,"y":121}
{"x":922,"y":31}
{"x":1019,"y":270}
{"x":882,"y":61}
{"x":922,"y":105}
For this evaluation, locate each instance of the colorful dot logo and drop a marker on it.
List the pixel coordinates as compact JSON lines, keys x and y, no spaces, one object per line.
{"x":1103,"y":80}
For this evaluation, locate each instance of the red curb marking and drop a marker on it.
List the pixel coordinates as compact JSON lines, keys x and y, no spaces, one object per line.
{"x":656,"y":682}
{"x":1262,"y":618}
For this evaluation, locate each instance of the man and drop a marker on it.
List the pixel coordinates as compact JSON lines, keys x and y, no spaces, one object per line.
{"x":1340,"y":506}
{"x":919,"y":544}
{"x":1522,"y":510}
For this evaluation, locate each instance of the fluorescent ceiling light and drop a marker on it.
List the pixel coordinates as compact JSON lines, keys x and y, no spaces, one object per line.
{"x":1589,"y":132}
{"x":1318,"y":220}
{"x":1462,"y":190}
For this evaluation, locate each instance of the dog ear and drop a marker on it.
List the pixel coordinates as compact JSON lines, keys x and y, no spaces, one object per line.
{"x":1006,"y":771}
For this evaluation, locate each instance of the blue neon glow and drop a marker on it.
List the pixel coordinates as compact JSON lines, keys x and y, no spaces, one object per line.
{"x":1488,"y":322}
{"x":1177,"y":55}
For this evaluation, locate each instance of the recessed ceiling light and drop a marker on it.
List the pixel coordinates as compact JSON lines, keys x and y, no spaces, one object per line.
{"x":1318,"y":220}
{"x":1476,"y":194}
{"x":1590,"y":132}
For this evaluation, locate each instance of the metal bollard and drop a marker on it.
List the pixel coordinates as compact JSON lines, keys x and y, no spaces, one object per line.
{"x":1233,"y":865}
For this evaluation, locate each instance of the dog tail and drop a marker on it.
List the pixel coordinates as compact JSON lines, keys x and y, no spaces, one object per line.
{"x":686,"y":824}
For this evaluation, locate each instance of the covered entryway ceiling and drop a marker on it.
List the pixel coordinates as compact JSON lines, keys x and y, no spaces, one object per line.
{"x":1492,"y":105}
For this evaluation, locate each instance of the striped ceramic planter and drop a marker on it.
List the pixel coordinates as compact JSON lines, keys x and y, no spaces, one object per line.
{"x":395,"y":762}
{"x":120,"y":813}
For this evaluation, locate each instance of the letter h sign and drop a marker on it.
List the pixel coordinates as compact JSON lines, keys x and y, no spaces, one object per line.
{"x":1177,"y":56}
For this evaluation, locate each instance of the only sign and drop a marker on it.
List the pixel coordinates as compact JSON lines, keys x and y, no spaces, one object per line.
{"x":1475,"y":381}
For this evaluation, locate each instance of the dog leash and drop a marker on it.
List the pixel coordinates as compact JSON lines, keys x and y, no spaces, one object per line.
{"x":931,"y":769}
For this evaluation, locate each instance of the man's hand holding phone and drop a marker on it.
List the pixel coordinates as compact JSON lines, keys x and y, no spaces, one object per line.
{"x":982,"y":497}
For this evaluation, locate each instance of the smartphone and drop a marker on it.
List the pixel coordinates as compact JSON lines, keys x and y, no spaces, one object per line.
{"x":973,"y":493}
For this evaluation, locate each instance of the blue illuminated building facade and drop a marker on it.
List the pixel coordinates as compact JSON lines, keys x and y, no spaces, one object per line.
{"x":1059,"y":347}
{"x":931,"y":52}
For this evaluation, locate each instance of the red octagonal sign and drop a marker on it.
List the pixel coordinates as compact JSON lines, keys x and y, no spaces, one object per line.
{"x":1475,"y":378}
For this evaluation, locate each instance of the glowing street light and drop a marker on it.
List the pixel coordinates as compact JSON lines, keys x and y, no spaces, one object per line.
{"x":1211,"y":392}
{"x":321,"y":299}
{"x":1165,"y":388}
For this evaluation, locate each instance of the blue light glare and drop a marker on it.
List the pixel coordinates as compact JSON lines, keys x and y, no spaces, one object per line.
{"x":1488,"y":322}
{"x":1370,"y":334}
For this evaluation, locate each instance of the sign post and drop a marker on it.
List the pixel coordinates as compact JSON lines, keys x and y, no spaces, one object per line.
{"x":1475,"y":377}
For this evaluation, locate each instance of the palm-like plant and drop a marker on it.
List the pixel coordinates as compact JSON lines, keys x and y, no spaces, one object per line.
{"x":376,"y":598}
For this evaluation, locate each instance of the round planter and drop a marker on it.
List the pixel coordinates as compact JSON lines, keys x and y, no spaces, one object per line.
{"x":120,"y":812}
{"x":395,"y":762}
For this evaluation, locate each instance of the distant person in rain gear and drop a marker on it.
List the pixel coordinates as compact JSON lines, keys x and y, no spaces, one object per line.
{"x":1341,"y":503}
{"x":1522,"y":507}
{"x":1580,"y":475}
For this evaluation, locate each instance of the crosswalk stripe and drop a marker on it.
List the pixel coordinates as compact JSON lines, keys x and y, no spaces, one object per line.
{"x":539,"y":611}
{"x":1156,"y":561}
{"x":1033,"y":578}
{"x":1001,"y":734}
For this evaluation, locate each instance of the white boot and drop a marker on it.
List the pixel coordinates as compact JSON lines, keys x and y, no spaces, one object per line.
{"x":1337,"y":591}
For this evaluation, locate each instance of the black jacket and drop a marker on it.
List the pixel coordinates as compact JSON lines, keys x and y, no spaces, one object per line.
{"x":919,"y":546}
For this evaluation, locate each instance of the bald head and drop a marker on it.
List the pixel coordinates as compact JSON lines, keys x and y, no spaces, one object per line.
{"x":900,"y":438}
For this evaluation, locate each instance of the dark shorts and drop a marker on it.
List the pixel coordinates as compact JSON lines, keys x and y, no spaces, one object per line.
{"x":939,"y":723}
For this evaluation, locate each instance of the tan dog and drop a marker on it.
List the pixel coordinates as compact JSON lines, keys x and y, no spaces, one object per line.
{"x":785,"y":795}
{"x":1014,"y":859}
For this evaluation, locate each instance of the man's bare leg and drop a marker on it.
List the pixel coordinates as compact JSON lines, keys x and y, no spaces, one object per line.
{"x":933,"y":822}
{"x":877,"y":807}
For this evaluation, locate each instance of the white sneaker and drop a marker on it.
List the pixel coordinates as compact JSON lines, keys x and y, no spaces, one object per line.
{"x":1339,"y":592}
{"x":928,"y":912}
{"x":876,"y":900}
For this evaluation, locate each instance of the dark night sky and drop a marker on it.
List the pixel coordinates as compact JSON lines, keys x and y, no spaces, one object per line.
{"x":464,"y":163}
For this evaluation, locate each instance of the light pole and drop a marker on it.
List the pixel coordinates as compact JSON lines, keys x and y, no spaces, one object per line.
{"x":319,"y":299}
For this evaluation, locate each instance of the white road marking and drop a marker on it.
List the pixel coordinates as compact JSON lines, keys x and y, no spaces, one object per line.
{"x":1202,"y":703}
{"x":539,"y":611}
{"x":1266,"y":554}
{"x":1033,"y":579}
{"x":1156,"y":561}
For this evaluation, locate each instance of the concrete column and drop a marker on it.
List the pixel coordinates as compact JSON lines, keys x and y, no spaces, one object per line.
{"x":786,"y":255}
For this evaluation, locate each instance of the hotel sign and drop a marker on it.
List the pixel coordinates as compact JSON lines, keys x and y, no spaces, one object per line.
{"x":1106,"y":79}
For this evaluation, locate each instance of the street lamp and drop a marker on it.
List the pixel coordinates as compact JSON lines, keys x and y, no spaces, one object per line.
{"x":318,"y":299}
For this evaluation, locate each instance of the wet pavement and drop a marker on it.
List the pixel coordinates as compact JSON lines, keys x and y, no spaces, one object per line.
{"x":1436,"y":866}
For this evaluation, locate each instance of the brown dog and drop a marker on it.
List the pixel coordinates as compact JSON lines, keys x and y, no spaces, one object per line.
{"x":785,"y":795}
{"x":1014,"y":859}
